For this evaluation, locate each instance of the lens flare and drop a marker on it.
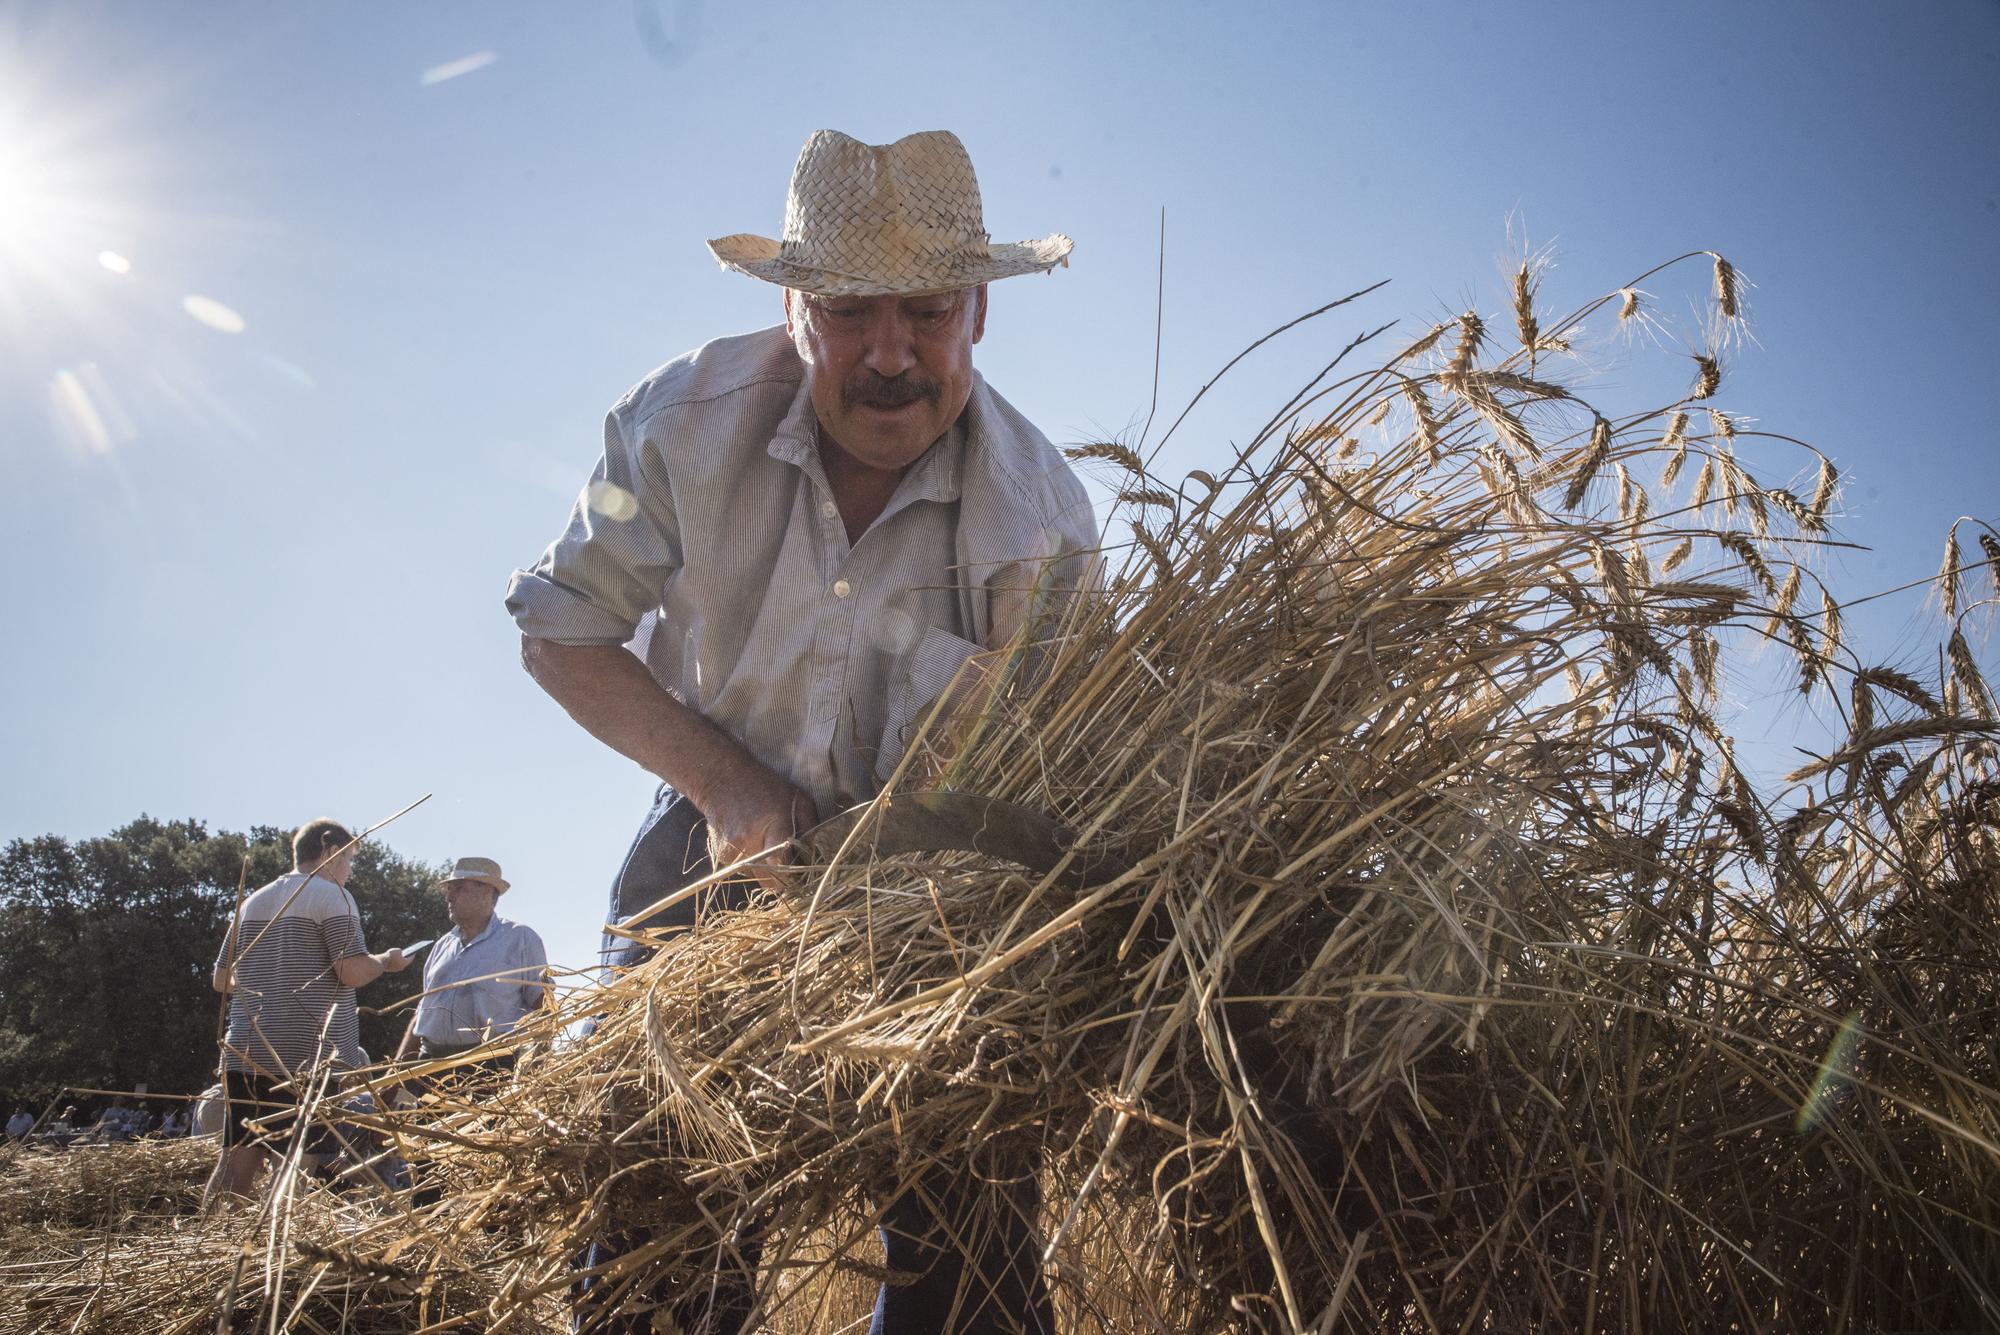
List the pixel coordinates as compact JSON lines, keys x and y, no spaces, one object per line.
{"x":213,"y":313}
{"x":1836,"y":1073}
{"x":612,"y":501}
{"x":451,"y":69}
{"x":290,"y":372}
{"x":79,"y":184}
{"x":87,"y":412}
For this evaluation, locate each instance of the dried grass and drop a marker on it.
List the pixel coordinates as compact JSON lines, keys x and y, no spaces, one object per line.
{"x":102,"y":1186}
{"x":1461,"y":978}
{"x":110,"y":1241}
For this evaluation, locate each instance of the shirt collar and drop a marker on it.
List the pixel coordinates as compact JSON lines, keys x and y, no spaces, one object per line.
{"x":936,"y":476}
{"x":492,"y":924}
{"x":797,"y":433}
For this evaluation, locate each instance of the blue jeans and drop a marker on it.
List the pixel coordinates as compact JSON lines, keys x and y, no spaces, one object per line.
{"x":930,"y":1230}
{"x":947,"y":1218}
{"x":669,"y":853}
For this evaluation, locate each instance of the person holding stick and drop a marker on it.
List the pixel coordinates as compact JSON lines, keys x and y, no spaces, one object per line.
{"x":290,"y":964}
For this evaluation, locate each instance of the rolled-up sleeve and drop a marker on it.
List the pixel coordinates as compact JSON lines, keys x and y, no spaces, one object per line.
{"x":614,"y":558}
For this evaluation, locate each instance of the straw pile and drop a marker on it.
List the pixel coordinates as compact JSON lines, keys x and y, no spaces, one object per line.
{"x":102,"y":1186}
{"x":300,"y":1275}
{"x":109,"y":1240}
{"x":1462,"y":977}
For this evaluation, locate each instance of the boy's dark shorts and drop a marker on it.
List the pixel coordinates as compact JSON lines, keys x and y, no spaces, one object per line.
{"x":252,"y":1098}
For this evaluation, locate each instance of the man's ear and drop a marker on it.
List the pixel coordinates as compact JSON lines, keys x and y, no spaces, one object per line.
{"x":795,"y":324}
{"x":979,"y":313}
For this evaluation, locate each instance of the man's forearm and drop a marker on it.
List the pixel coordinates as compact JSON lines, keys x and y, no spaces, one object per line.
{"x":361,"y":970}
{"x":614,"y":698}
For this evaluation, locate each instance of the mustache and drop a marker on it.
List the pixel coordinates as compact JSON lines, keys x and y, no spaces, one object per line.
{"x":880,"y":391}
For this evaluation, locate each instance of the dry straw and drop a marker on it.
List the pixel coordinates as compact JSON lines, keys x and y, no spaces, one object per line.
{"x":102,"y":1186}
{"x":1461,"y":978}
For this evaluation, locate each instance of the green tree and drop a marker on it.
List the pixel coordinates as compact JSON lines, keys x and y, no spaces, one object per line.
{"x":107,"y":946}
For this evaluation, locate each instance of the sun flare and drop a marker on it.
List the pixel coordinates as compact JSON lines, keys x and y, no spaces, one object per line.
{"x":36,"y":210}
{"x":24,"y":191}
{"x":105,"y":271}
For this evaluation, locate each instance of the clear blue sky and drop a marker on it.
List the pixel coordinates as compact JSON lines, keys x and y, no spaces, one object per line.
{"x":257,"y":571}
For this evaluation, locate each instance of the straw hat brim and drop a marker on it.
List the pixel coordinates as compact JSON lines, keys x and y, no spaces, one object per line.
{"x":499,"y":886}
{"x":762,"y":257}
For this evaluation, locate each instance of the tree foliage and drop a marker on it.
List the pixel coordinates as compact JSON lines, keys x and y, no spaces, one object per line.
{"x":107,"y":946}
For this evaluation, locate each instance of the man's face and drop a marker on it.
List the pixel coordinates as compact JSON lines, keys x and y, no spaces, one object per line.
{"x":470,"y":903}
{"x":339,"y":869}
{"x":888,"y":375}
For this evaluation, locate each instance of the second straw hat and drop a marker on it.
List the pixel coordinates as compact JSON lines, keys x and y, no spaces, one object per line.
{"x":475,"y":869}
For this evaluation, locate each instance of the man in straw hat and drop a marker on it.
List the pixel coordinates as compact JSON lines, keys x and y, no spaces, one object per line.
{"x":483,"y":976}
{"x":792,"y":543}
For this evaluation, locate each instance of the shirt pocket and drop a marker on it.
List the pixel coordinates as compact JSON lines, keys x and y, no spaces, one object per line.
{"x":930,"y":669}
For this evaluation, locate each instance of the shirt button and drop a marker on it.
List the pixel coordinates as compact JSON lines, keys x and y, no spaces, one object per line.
{"x":829,"y":509}
{"x":841,"y":588}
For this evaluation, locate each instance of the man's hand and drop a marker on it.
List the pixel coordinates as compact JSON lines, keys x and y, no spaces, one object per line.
{"x":610,"y":692}
{"x":753,"y":810}
{"x":361,"y":970}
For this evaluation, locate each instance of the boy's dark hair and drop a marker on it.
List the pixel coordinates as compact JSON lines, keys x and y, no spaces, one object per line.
{"x":316,"y":839}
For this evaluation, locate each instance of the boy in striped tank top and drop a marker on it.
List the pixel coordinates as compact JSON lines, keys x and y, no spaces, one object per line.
{"x":290,"y":964}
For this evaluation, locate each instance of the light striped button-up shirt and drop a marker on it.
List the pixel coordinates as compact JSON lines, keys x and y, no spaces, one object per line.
{"x":708,"y":540}
{"x":479,"y":989}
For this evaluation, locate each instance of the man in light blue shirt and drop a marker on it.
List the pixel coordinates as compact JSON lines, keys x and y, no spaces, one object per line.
{"x":484,"y":975}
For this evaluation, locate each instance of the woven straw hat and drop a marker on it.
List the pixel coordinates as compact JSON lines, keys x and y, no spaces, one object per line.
{"x":867,"y":220}
{"x":485,"y":870}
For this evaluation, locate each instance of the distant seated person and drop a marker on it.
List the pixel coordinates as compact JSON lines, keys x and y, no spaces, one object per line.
{"x":113,"y":1123}
{"x":172,"y":1124}
{"x":209,"y":1110}
{"x":482,"y":976}
{"x":20,"y":1124}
